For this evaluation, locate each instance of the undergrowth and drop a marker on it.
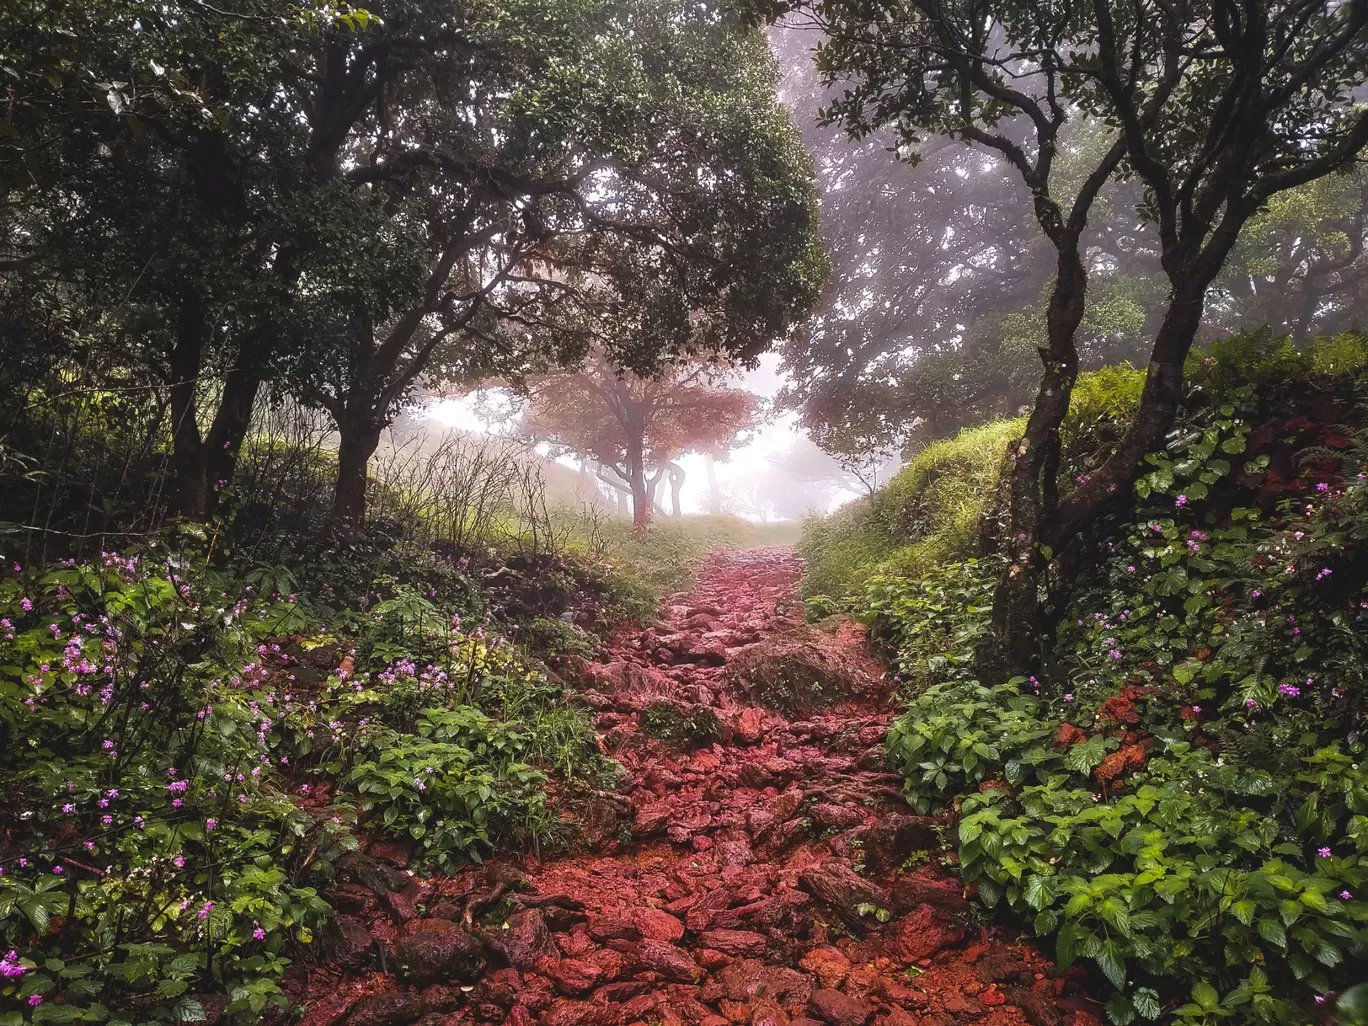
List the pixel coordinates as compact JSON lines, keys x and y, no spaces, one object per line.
{"x":187,"y":752}
{"x":1178,"y":800}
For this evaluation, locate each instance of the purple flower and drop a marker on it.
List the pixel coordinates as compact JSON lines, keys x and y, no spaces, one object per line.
{"x":1255,"y":593}
{"x":1322,"y":487}
{"x":1289,"y":689}
{"x":1181,"y":501}
{"x":1068,"y":698}
{"x":1345,"y":895}
{"x":68,"y":808}
{"x":35,"y":1000}
{"x":1323,"y":852}
{"x":204,"y":912}
{"x":210,"y":824}
{"x":258,"y":933}
{"x":1130,"y":569}
{"x":10,"y":967}
{"x":57,"y":870}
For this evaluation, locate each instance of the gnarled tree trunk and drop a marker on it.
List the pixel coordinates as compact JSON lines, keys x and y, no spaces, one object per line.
{"x":1019,"y":624}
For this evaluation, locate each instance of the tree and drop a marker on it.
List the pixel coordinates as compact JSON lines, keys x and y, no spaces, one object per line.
{"x":340,"y":204}
{"x":1216,"y":108}
{"x":940,"y":277}
{"x":635,"y":427}
{"x":587,"y":151}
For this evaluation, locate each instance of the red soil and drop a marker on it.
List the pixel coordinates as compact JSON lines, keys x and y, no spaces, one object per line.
{"x":772,"y":877}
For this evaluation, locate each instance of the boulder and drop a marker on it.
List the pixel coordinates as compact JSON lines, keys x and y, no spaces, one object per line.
{"x":570,"y":975}
{"x":802,"y":670}
{"x":845,"y":891}
{"x":438,"y":955}
{"x":386,"y":1010}
{"x":654,"y":956}
{"x":889,"y":842}
{"x":526,"y":941}
{"x":921,"y":934}
{"x":745,"y":980}
{"x":828,"y":964}
{"x":837,"y":1009}
{"x":355,"y":947}
{"x":737,"y":943}
{"x":565,"y":1012}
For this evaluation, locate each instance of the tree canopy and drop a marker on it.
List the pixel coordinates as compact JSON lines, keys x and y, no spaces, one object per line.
{"x":341,"y":205}
{"x":941,"y":274}
{"x":635,"y":427}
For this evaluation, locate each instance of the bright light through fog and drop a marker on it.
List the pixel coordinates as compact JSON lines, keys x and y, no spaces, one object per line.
{"x":738,"y":476}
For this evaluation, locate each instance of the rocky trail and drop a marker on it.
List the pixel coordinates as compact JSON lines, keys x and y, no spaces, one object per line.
{"x":756,"y":867}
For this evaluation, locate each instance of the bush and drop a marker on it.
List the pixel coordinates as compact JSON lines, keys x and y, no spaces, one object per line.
{"x":945,"y":504}
{"x":160,"y":724}
{"x":931,"y":624}
{"x":143,"y":802}
{"x":1181,"y":801}
{"x":458,"y":788}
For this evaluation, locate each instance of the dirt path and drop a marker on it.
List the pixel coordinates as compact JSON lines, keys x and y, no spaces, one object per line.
{"x":765,"y":873}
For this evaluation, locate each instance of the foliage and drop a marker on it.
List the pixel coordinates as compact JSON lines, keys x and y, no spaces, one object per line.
{"x":697,"y":726}
{"x":149,"y":813}
{"x":932,"y":622}
{"x":164,"y":726}
{"x":944,"y":504}
{"x":1180,"y":801}
{"x":457,"y":787}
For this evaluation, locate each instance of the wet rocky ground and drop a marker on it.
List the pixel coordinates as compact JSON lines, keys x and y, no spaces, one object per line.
{"x":757,"y":865}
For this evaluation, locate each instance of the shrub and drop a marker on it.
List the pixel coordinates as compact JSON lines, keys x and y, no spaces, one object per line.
{"x":932,"y":623}
{"x":1181,"y":801}
{"x":144,"y":806}
{"x":945,"y":504}
{"x":668,"y":722}
{"x":458,"y":788}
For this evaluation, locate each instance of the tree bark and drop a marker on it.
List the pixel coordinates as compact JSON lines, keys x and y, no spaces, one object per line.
{"x":714,"y":490}
{"x":187,"y":445}
{"x":360,"y":437}
{"x":1163,"y":391}
{"x":204,"y":465}
{"x":1016,"y":639}
{"x":641,"y":488}
{"x":676,"y":473}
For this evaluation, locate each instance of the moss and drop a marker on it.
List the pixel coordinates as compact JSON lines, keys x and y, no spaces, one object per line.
{"x":690,"y":726}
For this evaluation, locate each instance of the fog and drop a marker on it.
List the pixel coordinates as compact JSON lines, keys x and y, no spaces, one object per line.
{"x":934,"y":310}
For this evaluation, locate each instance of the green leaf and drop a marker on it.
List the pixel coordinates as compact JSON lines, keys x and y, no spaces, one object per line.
{"x":1146,"y":1002}
{"x":1272,"y":931}
{"x":1206,"y":996}
{"x":1038,"y":891}
{"x":1112,"y":963}
{"x":1352,"y":1007}
{"x":1120,"y":1011}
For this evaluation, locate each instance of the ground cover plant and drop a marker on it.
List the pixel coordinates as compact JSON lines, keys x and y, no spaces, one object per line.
{"x":1177,"y":800}
{"x":188,"y":752}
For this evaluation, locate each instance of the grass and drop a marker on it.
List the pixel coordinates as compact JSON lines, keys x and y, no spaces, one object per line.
{"x":665,"y":559}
